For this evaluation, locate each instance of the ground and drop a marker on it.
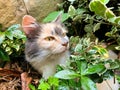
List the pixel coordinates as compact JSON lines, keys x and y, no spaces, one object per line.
{"x":17,"y":74}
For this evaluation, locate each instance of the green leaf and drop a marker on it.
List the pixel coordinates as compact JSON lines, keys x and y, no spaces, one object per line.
{"x":105,"y":1}
{"x":98,"y":7}
{"x":87,"y":84}
{"x":13,"y":27}
{"x":78,"y":48}
{"x":71,"y":1}
{"x":82,"y":67}
{"x":109,"y":14}
{"x":67,"y":74}
{"x":114,"y":65}
{"x":88,"y":28}
{"x":71,"y":11}
{"x":96,"y":27}
{"x":54,"y":14}
{"x":2,"y":37}
{"x":16,"y":46}
{"x":117,"y":48}
{"x":53,"y":81}
{"x":18,"y":34}
{"x":32,"y":87}
{"x":3,"y":55}
{"x":94,"y":69}
{"x":117,"y":20}
{"x":9,"y":34}
{"x":81,"y":11}
{"x":43,"y":85}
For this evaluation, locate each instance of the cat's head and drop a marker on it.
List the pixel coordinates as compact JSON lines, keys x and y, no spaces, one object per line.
{"x":50,"y":36}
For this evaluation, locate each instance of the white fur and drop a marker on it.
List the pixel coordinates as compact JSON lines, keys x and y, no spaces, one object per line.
{"x":47,"y":65}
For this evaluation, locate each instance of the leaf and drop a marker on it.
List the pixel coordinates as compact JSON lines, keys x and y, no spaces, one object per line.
{"x":98,"y":7}
{"x":71,"y":11}
{"x":32,"y":87}
{"x":2,"y":37}
{"x":94,"y":69}
{"x":88,"y":28}
{"x":82,"y":66}
{"x":78,"y":48}
{"x":114,"y":65}
{"x":71,"y":1}
{"x":54,"y":14}
{"x":105,"y":1}
{"x":13,"y":27}
{"x":117,"y":48}
{"x":43,"y":85}
{"x":9,"y":34}
{"x":96,"y":27}
{"x":16,"y":46}
{"x":67,"y":74}
{"x":117,"y":20}
{"x":109,"y":14}
{"x":53,"y":81}
{"x":87,"y":83}
{"x":3,"y":55}
{"x":18,"y":34}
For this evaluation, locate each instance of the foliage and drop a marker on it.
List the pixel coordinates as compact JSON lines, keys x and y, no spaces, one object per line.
{"x":11,"y":42}
{"x":89,"y":61}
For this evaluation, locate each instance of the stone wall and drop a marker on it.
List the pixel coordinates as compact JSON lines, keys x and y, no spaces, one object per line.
{"x":12,"y":11}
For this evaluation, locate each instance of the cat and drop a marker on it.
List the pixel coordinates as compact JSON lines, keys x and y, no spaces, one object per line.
{"x":47,"y":44}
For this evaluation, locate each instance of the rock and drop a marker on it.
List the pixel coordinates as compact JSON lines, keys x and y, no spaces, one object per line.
{"x":12,"y":11}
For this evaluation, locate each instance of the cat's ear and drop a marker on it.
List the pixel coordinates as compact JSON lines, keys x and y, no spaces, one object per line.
{"x":29,"y":25}
{"x":58,"y":19}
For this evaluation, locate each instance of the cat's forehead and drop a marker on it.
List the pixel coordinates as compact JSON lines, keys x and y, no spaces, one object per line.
{"x":51,"y":28}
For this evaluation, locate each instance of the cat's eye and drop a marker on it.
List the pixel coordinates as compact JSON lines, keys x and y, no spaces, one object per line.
{"x":64,"y":34}
{"x":49,"y":38}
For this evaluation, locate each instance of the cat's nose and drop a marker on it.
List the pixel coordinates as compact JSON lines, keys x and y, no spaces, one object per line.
{"x":65,"y":44}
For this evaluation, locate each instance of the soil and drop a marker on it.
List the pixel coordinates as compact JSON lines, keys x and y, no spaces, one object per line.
{"x":17,"y":75}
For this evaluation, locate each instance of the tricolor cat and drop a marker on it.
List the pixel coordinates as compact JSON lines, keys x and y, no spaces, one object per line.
{"x":46,"y":46}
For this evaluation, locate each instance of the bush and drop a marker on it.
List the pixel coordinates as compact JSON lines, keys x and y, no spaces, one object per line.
{"x":88,"y":22}
{"x":11,"y":42}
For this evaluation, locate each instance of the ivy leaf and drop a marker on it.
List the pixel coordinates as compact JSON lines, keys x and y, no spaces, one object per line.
{"x":87,"y":83}
{"x":109,"y":14}
{"x":117,"y":48}
{"x":43,"y":85}
{"x":67,"y":74}
{"x":71,"y":11}
{"x":94,"y":69}
{"x":88,"y":28}
{"x":18,"y":34}
{"x":98,"y":7}
{"x":71,"y":1}
{"x":105,"y":1}
{"x":53,"y":81}
{"x":3,"y":55}
{"x":9,"y":34}
{"x":13,"y":27}
{"x":114,"y":65}
{"x":2,"y":37}
{"x":32,"y":87}
{"x":96,"y":27}
{"x":54,"y":14}
{"x":117,"y":20}
{"x":78,"y":48}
